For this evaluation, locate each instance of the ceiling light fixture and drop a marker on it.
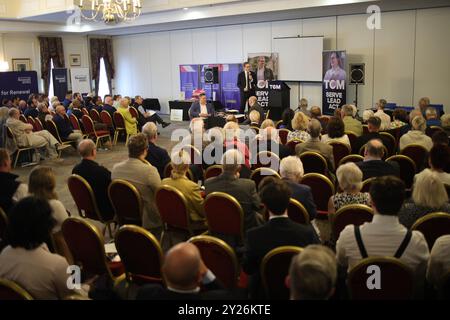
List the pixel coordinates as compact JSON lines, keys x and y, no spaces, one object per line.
{"x":110,"y":11}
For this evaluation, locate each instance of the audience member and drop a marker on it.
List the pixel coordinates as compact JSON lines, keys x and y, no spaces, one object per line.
{"x":31,"y":110}
{"x":385,"y":118}
{"x":107,"y":106}
{"x":299,"y":125}
{"x":428,"y":196}
{"x":367,"y":114}
{"x":336,"y":132}
{"x":424,"y":103}
{"x":384,"y":236}
{"x":144,"y":177}
{"x":373,"y":125}
{"x":254,"y":119}
{"x":439,"y":262}
{"x":416,"y":135}
{"x":67,"y":100}
{"x":232,"y":141}
{"x":286,"y":119}
{"x":432,"y":117}
{"x":64,"y":127}
{"x":278,"y":231}
{"x":130,"y":121}
{"x":157,"y":156}
{"x":349,"y":177}
{"x":440,"y":138}
{"x":44,"y":114}
{"x":351,"y":124}
{"x":253,"y":105}
{"x":303,"y":106}
{"x":98,"y":177}
{"x":438,"y":160}
{"x":146,"y":116}
{"x":314,"y":144}
{"x":445,"y":121}
{"x":269,"y":141}
{"x":400,"y":117}
{"x":313,"y":274}
{"x":12,"y":190}
{"x":373,"y":165}
{"x":291,"y":171}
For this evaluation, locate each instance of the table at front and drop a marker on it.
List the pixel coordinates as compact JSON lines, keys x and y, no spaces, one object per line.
{"x":184,"y":105}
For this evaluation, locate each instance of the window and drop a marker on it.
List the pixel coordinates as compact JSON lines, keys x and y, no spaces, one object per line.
{"x":51,"y":91}
{"x":103,"y":86}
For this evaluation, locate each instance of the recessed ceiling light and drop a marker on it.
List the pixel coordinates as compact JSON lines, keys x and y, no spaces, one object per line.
{"x":185,"y":9}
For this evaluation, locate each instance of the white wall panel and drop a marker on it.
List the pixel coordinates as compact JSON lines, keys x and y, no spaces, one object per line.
{"x":204,"y":46}
{"x":257,"y":38}
{"x":229,"y":44}
{"x":181,"y":53}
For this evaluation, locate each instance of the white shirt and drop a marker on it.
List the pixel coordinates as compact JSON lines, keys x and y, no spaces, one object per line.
{"x":203,"y":109}
{"x":439,"y":263}
{"x":382,"y":237}
{"x":246,"y":81}
{"x":21,"y":192}
{"x":40,"y":272}
{"x":385,"y":120}
{"x":59,"y":213}
{"x":260,"y":74}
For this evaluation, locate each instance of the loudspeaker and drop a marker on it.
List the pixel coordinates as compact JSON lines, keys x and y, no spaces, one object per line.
{"x":357,"y":73}
{"x":212,"y":75}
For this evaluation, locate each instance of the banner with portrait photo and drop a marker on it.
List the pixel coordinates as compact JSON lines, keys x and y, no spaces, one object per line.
{"x":334,"y":81}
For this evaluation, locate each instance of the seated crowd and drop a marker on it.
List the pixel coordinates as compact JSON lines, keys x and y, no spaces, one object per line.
{"x":181,"y":197}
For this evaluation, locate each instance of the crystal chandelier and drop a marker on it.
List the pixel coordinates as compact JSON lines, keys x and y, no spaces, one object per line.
{"x":110,"y":11}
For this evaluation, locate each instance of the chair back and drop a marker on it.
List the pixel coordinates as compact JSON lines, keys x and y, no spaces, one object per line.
{"x":407,"y":169}
{"x":213,"y":171}
{"x":365,"y":129}
{"x":355,"y":214}
{"x":297,"y":212}
{"x":396,"y":280}
{"x":254,"y":128}
{"x":88,"y":125}
{"x":85,"y":111}
{"x":74,"y":121}
{"x":31,"y":121}
{"x":314,"y":162}
{"x":322,"y":189}
{"x":218,"y":257}
{"x":352,"y":137}
{"x":393,"y":142}
{"x":293,"y":143}
{"x":3,"y":226}
{"x":430,"y":131}
{"x":53,"y":129}
{"x":224,"y":215}
{"x":340,"y":151}
{"x":9,"y":291}
{"x":140,"y":253}
{"x":134,"y":112}
{"x":23,"y":118}
{"x":351,"y":158}
{"x":324,"y":121}
{"x":126,"y":201}
{"x":84,"y":198}
{"x":86,"y":244}
{"x":118,"y":120}
{"x":283,"y":134}
{"x":95,"y":116}
{"x":417,"y":153}
{"x":38,"y":125}
{"x":194,"y":153}
{"x":274,"y":269}
{"x":106,"y":119}
{"x":172,"y":207}
{"x":267,"y":159}
{"x":278,"y":124}
{"x":447,"y":188}
{"x":259,"y":174}
{"x":168,"y":172}
{"x":433,"y":225}
{"x":366,"y":184}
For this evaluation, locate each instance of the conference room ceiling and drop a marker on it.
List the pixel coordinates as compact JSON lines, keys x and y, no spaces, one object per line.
{"x":56,"y":16}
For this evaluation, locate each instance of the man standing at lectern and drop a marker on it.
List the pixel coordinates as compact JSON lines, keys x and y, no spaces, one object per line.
{"x":246,"y":83}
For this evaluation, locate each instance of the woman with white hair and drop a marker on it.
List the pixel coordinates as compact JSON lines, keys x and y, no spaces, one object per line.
{"x":291,"y":171}
{"x":366,"y":115}
{"x":180,"y":165}
{"x":417,"y":135}
{"x":349,"y":177}
{"x":429,"y":196}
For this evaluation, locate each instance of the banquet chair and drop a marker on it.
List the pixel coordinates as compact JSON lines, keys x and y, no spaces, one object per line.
{"x":432,"y":226}
{"x":10,"y":290}
{"x":126,"y":201}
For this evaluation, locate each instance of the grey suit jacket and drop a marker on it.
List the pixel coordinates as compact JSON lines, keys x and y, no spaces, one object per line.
{"x":244,"y":190}
{"x":317,"y":146}
{"x":146,"y":179}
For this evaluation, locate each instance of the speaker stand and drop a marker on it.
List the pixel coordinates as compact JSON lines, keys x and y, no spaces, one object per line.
{"x":356,"y":95}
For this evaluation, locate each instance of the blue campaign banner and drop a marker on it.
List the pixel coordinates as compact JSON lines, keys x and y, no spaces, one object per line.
{"x":230,"y":94}
{"x":60,"y":83}
{"x":189,"y":79}
{"x":20,"y":84}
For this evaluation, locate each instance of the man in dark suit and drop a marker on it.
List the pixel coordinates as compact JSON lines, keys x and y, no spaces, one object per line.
{"x":246,"y":83}
{"x":108,"y":106}
{"x":291,"y":171}
{"x":98,"y":176}
{"x":263,"y":73}
{"x":64,"y":127}
{"x":145,"y":116}
{"x":244,"y":190}
{"x":31,"y":110}
{"x":254,"y":105}
{"x":373,"y":125}
{"x":157,"y":156}
{"x":279,"y":231}
{"x":201,"y":108}
{"x":373,"y":166}
{"x":67,"y":100}
{"x":185,"y":272}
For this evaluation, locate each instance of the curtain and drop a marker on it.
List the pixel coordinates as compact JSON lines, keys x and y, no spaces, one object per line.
{"x":51,"y":48}
{"x":102,"y":48}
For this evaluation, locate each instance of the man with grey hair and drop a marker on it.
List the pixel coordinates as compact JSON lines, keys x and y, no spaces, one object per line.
{"x":373,"y":165}
{"x":64,"y":128}
{"x":244,"y":190}
{"x":313,"y":274}
{"x":432,"y":117}
{"x":25,"y":137}
{"x":96,"y":175}
{"x":351,"y":124}
{"x":291,"y":171}
{"x":184,"y":272}
{"x":315,"y":145}
{"x":22,"y":106}
{"x":157,"y":156}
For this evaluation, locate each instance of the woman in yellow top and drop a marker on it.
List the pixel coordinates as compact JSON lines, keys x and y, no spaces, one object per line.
{"x":190,"y":190}
{"x":130,"y":122}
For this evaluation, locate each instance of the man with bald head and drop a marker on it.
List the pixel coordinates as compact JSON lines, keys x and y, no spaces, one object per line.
{"x":373,"y":165}
{"x":64,"y":127}
{"x":108,"y":106}
{"x":184,"y":272}
{"x":98,"y":176}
